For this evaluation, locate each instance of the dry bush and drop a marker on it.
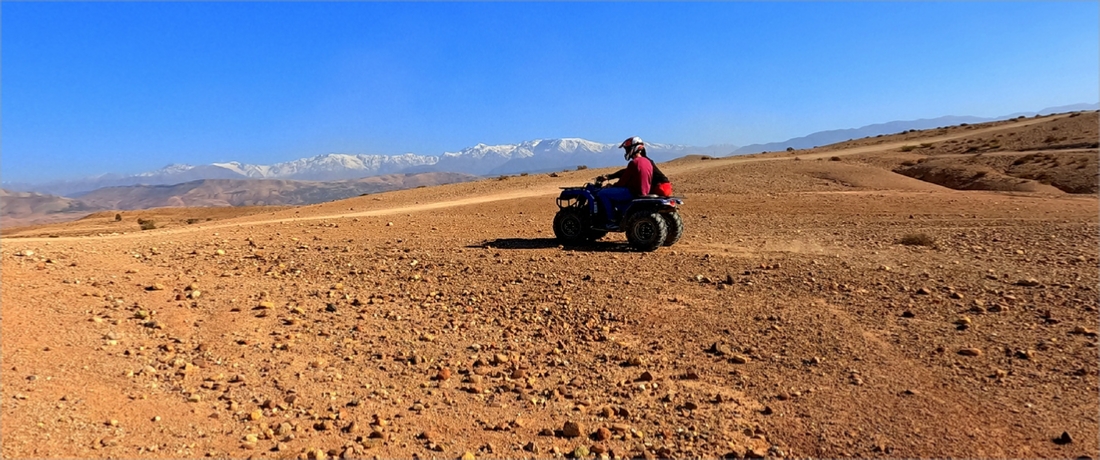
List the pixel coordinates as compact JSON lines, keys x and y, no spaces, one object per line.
{"x":147,"y":224}
{"x":908,"y":148}
{"x":834,"y":159}
{"x":917,"y":239}
{"x":582,"y":167}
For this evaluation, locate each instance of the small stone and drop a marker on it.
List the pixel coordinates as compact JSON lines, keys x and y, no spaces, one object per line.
{"x":155,"y":287}
{"x":740,"y":359}
{"x":970,"y":352}
{"x":443,"y":374}
{"x":220,"y":252}
{"x":1029,"y":282}
{"x":256,"y":415}
{"x":500,"y":358}
{"x":581,"y":452}
{"x":468,"y":456}
{"x":720,"y":349}
{"x":1082,"y":330}
{"x":1063,"y":439}
{"x":635,"y":361}
{"x":923,"y":291}
{"x":532,"y":448}
{"x":603,"y":434}
{"x":645,"y":377}
{"x":573,"y":429}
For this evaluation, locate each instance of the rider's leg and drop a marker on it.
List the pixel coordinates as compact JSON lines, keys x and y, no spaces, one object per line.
{"x":609,"y":197}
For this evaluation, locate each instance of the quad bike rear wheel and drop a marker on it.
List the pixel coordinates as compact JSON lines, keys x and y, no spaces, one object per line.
{"x":571,"y":226}
{"x":675,"y":227}
{"x":646,"y":230}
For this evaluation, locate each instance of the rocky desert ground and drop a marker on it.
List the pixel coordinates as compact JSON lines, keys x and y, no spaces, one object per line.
{"x":823,"y":303}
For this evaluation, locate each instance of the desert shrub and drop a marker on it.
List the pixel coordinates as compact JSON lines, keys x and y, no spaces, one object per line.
{"x":971,"y":149}
{"x":790,"y":149}
{"x":1050,"y":139}
{"x":582,"y":167}
{"x":925,"y":145}
{"x":553,"y":174}
{"x":917,"y":239}
{"x":797,"y":158}
{"x":1074,"y":114}
{"x":964,"y":124}
{"x":147,"y":224}
{"x":502,"y":177}
{"x":522,"y":174}
{"x":834,"y":159}
{"x":908,"y":163}
{"x":193,"y":220}
{"x":908,"y":148}
{"x":118,"y":217}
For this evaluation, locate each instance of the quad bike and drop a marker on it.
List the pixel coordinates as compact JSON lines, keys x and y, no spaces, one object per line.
{"x":649,"y":222}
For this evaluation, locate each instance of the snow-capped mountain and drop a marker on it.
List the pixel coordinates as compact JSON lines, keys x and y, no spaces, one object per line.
{"x":333,"y":166}
{"x":481,"y":159}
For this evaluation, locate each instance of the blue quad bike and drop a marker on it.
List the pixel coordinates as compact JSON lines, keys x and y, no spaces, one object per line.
{"x":649,"y":222}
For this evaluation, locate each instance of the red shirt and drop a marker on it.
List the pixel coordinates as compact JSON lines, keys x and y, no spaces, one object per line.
{"x":638,"y":175}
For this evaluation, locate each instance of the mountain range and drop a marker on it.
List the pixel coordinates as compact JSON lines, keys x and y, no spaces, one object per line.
{"x":541,"y":155}
{"x":821,"y":138}
{"x":479,"y":160}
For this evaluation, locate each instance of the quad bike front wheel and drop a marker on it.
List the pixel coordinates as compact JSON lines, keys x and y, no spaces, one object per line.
{"x":571,"y":226}
{"x":675,"y":227}
{"x":646,"y":230}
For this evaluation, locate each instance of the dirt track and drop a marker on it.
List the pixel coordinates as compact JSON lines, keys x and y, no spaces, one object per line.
{"x":435,"y":322}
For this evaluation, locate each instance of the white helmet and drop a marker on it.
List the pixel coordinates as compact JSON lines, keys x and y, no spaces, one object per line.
{"x":632,"y":145}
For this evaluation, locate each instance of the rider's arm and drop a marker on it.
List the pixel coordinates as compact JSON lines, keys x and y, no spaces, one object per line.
{"x":616,"y":174}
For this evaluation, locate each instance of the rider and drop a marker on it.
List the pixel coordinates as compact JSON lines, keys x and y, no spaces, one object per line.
{"x":634,"y":180}
{"x":660,"y":185}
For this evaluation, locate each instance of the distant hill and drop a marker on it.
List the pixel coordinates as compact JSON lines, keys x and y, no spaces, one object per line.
{"x":26,"y":208}
{"x":821,"y":138}
{"x":257,"y":192}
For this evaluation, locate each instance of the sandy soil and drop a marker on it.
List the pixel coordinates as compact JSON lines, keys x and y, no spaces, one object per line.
{"x":790,"y":321}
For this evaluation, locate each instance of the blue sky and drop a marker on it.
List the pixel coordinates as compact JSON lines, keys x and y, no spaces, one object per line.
{"x":91,"y":88}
